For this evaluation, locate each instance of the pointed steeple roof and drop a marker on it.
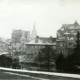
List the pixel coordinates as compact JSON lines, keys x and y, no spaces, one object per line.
{"x":34,"y":33}
{"x":76,"y":23}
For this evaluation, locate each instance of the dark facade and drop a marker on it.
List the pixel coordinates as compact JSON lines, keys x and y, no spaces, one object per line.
{"x":66,"y":37}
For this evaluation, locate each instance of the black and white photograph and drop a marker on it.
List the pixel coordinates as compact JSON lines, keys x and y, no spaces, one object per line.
{"x":40,"y":39}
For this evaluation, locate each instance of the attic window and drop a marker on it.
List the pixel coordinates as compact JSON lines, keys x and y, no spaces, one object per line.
{"x":50,"y":41}
{"x":43,"y":41}
{"x":36,"y":40}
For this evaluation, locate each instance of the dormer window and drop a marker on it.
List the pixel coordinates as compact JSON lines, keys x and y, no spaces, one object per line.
{"x":43,"y":41}
{"x":36,"y":40}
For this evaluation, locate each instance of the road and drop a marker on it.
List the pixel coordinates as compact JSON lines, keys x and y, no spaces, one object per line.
{"x":13,"y":75}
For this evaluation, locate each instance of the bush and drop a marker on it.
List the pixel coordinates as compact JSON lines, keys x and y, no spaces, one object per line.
{"x":5,"y":61}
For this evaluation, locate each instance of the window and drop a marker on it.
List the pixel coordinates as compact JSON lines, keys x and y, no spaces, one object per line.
{"x":61,"y":44}
{"x":19,"y":48}
{"x":44,"y":42}
{"x":35,"y":46}
{"x":72,"y":31}
{"x":54,"y":47}
{"x":43,"y":46}
{"x":70,"y":44}
{"x":70,"y":38}
{"x":32,"y":46}
{"x":62,"y":29}
{"x":14,"y":48}
{"x":36,"y":40}
{"x":28,"y":46}
{"x":39,"y":47}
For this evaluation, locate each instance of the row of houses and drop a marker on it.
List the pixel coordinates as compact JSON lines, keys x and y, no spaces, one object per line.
{"x":26,"y":46}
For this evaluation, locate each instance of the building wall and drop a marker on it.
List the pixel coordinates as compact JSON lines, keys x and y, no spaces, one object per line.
{"x":33,"y":47}
{"x":66,"y":37}
{"x":32,"y":50}
{"x":19,"y":38}
{"x":4,"y":45}
{"x":27,"y":47}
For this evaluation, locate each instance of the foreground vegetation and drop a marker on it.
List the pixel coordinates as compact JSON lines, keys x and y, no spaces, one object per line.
{"x":71,"y":63}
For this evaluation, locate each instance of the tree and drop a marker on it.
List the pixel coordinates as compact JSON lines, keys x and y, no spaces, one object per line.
{"x":74,"y":58}
{"x":15,"y":63}
{"x":46,"y":56}
{"x":5,"y":61}
{"x":72,"y":62}
{"x":60,"y":62}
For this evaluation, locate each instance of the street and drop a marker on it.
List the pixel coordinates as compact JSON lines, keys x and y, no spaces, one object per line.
{"x":4,"y":75}
{"x":29,"y":76}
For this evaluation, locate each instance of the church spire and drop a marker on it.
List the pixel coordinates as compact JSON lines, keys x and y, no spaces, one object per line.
{"x":76,"y":23}
{"x":34,"y":33}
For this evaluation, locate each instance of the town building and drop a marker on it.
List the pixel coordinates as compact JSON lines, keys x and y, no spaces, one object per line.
{"x":18,"y":40}
{"x":34,"y":46}
{"x":66,"y":38}
{"x":26,"y":47}
{"x":4,"y":47}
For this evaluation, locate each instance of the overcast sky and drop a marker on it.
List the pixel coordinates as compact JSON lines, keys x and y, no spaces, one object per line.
{"x":48,"y":15}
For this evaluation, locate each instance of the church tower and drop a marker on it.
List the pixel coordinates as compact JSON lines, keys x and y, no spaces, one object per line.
{"x":34,"y":33}
{"x":23,"y":37}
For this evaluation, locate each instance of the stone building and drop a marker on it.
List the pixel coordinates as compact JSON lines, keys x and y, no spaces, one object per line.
{"x":18,"y":40}
{"x":34,"y":46}
{"x":26,"y":46}
{"x":66,"y":37}
{"x":4,"y":46}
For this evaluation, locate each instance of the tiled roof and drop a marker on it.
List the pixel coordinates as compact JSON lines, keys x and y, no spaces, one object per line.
{"x":46,"y":39}
{"x":73,"y":26}
{"x":43,"y":41}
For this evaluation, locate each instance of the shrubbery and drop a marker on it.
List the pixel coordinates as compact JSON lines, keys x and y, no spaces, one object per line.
{"x":72,"y":62}
{"x":5,"y":61}
{"x":9,"y":62}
